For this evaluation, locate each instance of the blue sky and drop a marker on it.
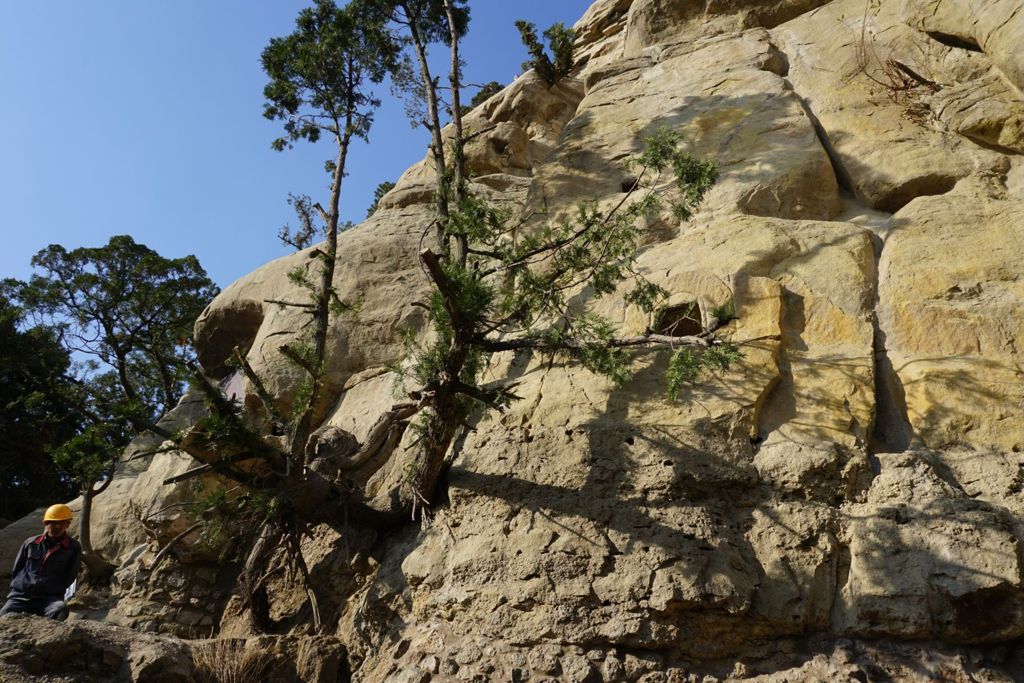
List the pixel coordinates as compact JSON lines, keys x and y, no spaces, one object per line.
{"x":143,"y":117}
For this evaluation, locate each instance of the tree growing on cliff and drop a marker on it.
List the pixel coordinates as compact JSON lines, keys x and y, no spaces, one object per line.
{"x":128,"y":312}
{"x":502,"y":286}
{"x":319,"y":85}
{"x":320,"y":80}
{"x":496,"y":285}
{"x":378,"y":194}
{"x":556,"y":66}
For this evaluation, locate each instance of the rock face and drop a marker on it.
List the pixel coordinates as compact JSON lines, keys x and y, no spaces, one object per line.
{"x":857,"y":475}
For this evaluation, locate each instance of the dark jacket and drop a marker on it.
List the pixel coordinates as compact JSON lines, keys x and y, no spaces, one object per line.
{"x":46,"y":567}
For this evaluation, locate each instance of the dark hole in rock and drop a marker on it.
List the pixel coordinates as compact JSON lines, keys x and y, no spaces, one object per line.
{"x":630,"y":440}
{"x":954,"y":41}
{"x":679,"y":321}
{"x":628,"y":184}
{"x":923,"y":186}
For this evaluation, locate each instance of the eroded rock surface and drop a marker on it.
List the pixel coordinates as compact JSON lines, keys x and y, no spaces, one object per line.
{"x":856,"y":475}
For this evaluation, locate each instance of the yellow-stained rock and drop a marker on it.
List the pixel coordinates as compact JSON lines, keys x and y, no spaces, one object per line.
{"x":952,"y":307}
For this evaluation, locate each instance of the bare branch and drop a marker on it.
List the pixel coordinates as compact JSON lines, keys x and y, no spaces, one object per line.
{"x":170,"y":544}
{"x":496,"y":345}
{"x":299,"y":360}
{"x":212,"y":466}
{"x":292,"y":304}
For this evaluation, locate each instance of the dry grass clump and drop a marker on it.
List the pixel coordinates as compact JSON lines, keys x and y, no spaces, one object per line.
{"x":232,"y":661}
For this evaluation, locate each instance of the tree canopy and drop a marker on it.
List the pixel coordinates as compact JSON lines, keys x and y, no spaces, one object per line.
{"x":127,"y":313}
{"x":318,"y":73}
{"x":559,"y":63}
{"x":32,"y":421}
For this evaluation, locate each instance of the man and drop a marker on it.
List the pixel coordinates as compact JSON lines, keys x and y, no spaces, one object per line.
{"x":46,"y":565}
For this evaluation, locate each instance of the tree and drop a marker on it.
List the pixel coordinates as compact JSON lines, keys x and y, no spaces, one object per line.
{"x":486,"y":92}
{"x":320,"y":79}
{"x":420,"y":23}
{"x":496,"y":285}
{"x":32,"y":422}
{"x":128,"y":312}
{"x":560,"y":40}
{"x":381,"y":190}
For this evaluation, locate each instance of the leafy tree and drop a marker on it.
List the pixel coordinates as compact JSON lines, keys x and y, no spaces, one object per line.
{"x":32,"y":422}
{"x":486,"y":92}
{"x":378,"y":194}
{"x":508,"y":294}
{"x":497,"y":285}
{"x":497,"y":289}
{"x":128,"y":312}
{"x":319,"y":77}
{"x":560,"y":41}
{"x":320,"y":80}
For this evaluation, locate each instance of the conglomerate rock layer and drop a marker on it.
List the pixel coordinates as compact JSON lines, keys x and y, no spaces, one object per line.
{"x":857,"y":475}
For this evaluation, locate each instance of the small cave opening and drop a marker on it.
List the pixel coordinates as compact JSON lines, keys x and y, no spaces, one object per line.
{"x":927,"y":185}
{"x":628,"y":185}
{"x":682,"y":320}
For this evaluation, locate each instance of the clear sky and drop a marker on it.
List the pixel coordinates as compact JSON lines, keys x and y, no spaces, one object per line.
{"x":144,"y":117}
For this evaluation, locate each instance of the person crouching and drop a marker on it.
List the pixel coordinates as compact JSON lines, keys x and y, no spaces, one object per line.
{"x":46,"y":565}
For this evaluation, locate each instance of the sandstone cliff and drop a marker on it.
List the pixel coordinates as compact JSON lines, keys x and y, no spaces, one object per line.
{"x":855,"y":479}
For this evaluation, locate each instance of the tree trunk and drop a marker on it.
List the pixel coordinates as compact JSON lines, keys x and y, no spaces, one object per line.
{"x":458,"y":160}
{"x":321,"y":318}
{"x":98,"y":569}
{"x":434,"y":123}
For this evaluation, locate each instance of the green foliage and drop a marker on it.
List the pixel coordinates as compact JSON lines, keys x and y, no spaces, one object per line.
{"x":691,"y":177}
{"x":318,"y":73}
{"x":594,"y":334}
{"x":598,"y":248}
{"x":378,"y":194}
{"x":686,"y":365}
{"x":515,"y":283}
{"x":129,"y":312}
{"x":230,"y":515}
{"x":486,"y":92}
{"x":725,"y":312}
{"x":32,"y":421}
{"x":552,"y":68}
{"x":125,"y":308}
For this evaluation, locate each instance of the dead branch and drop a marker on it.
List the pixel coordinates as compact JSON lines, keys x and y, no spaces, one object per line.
{"x":496,"y":345}
{"x":167,"y":548}
{"x":261,"y":390}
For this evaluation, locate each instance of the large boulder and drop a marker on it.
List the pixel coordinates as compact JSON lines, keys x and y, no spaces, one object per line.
{"x":995,"y":26}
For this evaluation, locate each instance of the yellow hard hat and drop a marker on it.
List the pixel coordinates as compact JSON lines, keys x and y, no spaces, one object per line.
{"x":58,"y":513}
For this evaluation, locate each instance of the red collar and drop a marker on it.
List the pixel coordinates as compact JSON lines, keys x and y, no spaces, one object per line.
{"x":65,"y":542}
